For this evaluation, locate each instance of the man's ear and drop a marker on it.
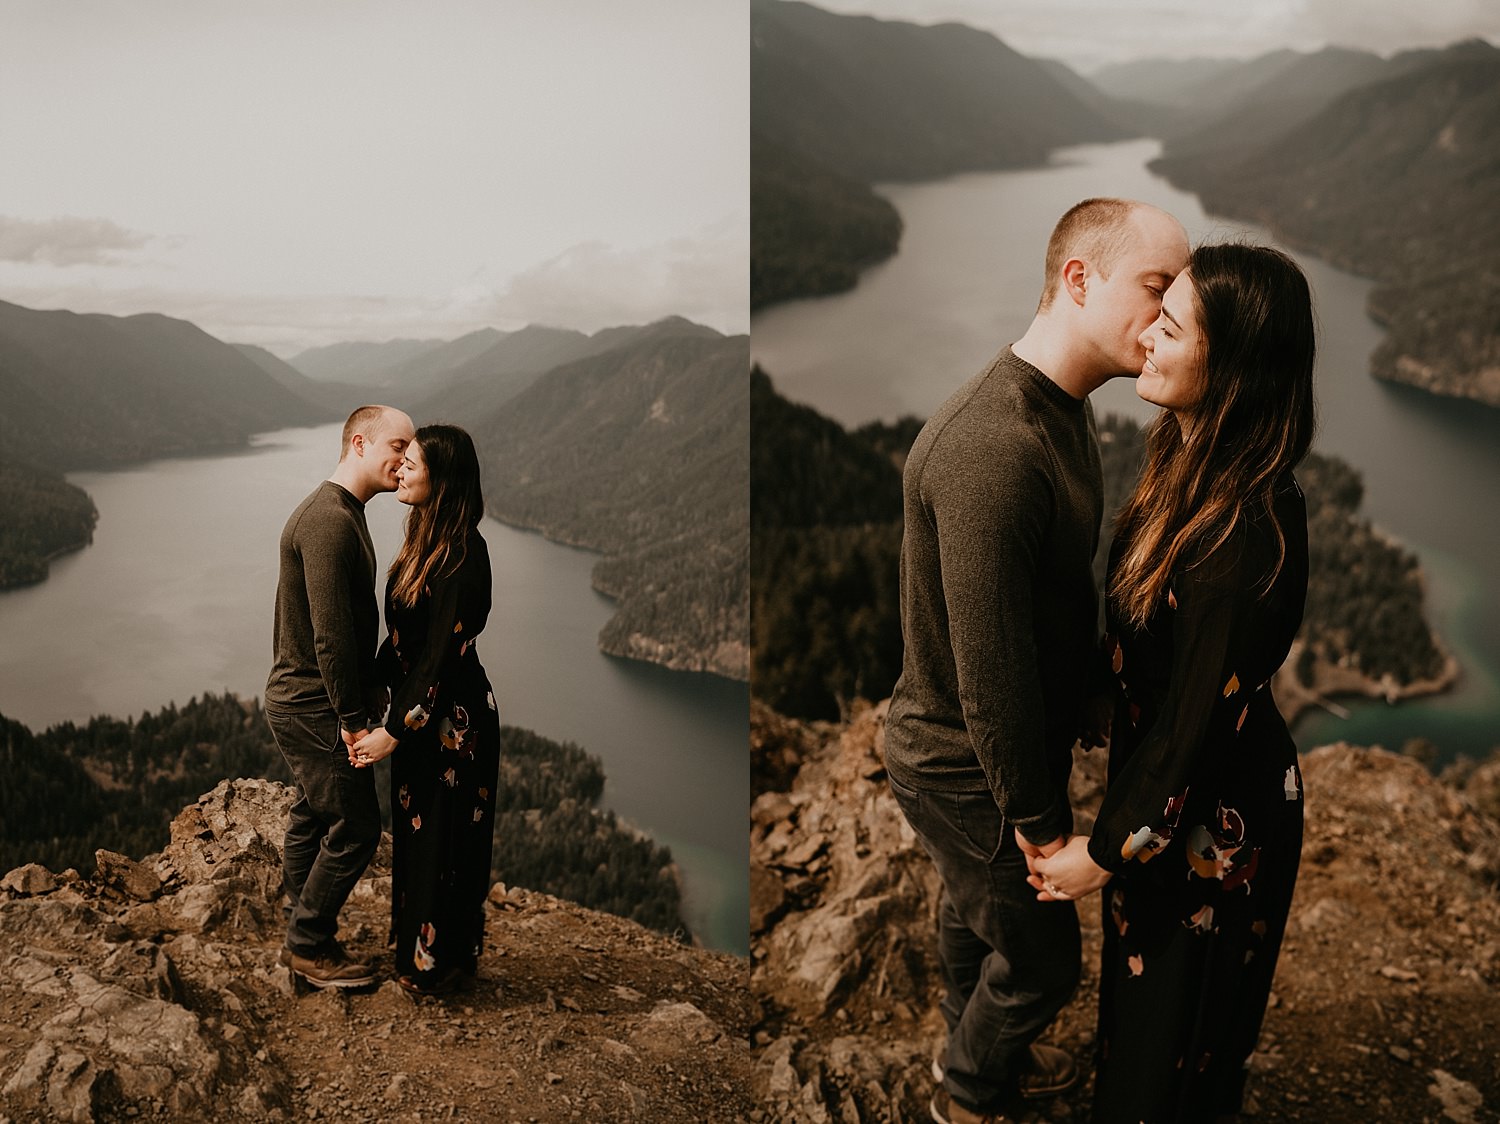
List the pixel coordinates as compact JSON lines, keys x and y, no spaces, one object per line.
{"x":1075,"y":273}
{"x":357,"y":443}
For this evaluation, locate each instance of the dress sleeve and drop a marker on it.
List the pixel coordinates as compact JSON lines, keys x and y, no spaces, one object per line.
{"x":989,"y":545}
{"x":460,"y":606}
{"x":1143,"y":802}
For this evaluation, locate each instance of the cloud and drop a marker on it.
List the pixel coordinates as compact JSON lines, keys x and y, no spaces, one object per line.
{"x":1093,"y":33}
{"x":593,"y":285}
{"x":1389,"y":27}
{"x":66,"y":241}
{"x":587,"y":287}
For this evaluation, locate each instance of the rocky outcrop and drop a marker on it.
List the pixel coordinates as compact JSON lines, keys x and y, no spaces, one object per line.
{"x":153,"y":989}
{"x":1387,"y":993}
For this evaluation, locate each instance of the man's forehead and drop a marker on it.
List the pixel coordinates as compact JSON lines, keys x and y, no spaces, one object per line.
{"x":1160,"y":258}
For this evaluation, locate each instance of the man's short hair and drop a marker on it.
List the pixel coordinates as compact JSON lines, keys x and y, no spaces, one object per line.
{"x":1096,"y":230}
{"x":366,"y":420}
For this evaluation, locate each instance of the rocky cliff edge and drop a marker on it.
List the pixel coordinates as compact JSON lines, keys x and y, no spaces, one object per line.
{"x":152,"y":990}
{"x":1387,"y":995}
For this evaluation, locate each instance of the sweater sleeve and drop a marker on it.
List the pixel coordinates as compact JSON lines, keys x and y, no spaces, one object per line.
{"x":331,"y":562}
{"x":1141,"y":806}
{"x":460,"y":606}
{"x":992,"y":516}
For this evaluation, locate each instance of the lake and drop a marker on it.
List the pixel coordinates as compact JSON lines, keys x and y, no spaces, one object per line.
{"x":965,"y":283}
{"x":174,"y":598}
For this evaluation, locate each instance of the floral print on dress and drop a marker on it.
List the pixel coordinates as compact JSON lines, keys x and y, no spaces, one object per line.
{"x":1202,"y":921}
{"x":1221,"y":853}
{"x":422,"y":954}
{"x":1144,"y":842}
{"x":445,"y":760}
{"x":1203,"y":914}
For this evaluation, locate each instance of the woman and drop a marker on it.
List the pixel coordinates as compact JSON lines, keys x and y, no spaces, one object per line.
{"x":1200,"y":829}
{"x":443,"y":728}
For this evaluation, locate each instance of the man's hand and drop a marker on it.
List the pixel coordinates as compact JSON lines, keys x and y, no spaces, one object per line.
{"x":371,"y":748}
{"x":1034,"y":852}
{"x":351,"y":738}
{"x":1068,"y":874}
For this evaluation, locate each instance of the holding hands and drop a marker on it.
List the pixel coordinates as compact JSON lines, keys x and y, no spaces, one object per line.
{"x":374,"y":745}
{"x":1065,"y":873}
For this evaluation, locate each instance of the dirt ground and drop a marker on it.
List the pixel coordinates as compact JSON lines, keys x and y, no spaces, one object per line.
{"x":1387,"y":996}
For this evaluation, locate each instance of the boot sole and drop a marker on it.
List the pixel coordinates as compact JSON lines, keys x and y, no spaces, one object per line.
{"x":314,"y":981}
{"x":1033,"y":1093}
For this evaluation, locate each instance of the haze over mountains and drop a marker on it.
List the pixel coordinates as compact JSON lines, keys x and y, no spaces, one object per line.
{"x":95,"y":391}
{"x":839,"y":102}
{"x":1386,"y":167}
{"x":641,"y":452}
{"x":1395,"y":179}
{"x":631,"y":441}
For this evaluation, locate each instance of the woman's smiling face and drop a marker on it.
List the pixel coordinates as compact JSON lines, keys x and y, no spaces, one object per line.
{"x":1172,"y":375}
{"x":412,"y":485}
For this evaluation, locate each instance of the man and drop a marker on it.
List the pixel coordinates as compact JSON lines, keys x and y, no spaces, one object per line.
{"x":999,"y":613}
{"x":322,"y":690}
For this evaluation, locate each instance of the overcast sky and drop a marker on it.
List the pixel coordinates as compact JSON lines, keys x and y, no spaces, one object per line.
{"x":298,"y":172}
{"x":1091,"y":33}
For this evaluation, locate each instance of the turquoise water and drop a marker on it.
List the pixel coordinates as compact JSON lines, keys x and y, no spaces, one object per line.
{"x":174,"y":599}
{"x":965,"y":283}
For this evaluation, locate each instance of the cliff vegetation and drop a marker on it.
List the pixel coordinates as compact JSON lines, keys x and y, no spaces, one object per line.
{"x":117,"y":783}
{"x":826,"y":508}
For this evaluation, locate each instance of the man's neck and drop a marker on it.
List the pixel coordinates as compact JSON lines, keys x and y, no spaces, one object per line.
{"x":1051,"y":352}
{"x":348,"y":478}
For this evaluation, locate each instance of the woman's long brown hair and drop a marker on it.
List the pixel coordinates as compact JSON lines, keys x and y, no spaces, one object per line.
{"x":437,"y":531}
{"x":1252,"y":426}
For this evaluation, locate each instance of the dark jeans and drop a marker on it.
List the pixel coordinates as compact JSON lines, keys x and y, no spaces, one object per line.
{"x":1010,"y":962}
{"x":332,"y":830}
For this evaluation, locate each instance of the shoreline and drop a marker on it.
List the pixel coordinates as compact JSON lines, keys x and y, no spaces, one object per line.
{"x":1331,"y":682}
{"x":46,"y":563}
{"x":639,"y":646}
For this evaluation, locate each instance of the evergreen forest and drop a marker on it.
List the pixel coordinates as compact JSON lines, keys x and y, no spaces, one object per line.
{"x":117,"y":783}
{"x":826,"y":549}
{"x":45,"y":516}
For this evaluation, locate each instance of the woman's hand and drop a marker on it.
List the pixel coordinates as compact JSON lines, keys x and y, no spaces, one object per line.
{"x":374,"y":746}
{"x":1068,"y":875}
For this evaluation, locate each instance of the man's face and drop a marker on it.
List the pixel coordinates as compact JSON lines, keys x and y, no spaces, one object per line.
{"x":384,"y":448}
{"x":1123,"y":305}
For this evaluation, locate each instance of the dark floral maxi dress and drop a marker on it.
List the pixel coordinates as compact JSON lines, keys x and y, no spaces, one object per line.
{"x":444,"y":770}
{"x":1202,"y":825}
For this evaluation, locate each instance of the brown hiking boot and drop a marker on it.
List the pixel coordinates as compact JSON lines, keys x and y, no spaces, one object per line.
{"x":945,"y":1110}
{"x":331,"y":967}
{"x":1049,"y":1072}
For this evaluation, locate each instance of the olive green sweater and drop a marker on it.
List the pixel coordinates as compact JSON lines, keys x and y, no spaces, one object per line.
{"x":999,"y":610}
{"x":327,"y":622}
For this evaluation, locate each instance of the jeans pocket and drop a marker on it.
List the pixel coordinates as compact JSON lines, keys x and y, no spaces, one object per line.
{"x":296,"y":734}
{"x":979,"y":818}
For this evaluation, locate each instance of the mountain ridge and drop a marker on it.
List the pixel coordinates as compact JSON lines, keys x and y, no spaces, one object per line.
{"x":1392,"y":180}
{"x":640,"y":452}
{"x":841,"y":102}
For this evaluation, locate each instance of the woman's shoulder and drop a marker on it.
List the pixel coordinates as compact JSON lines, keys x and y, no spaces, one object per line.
{"x":476,"y":554}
